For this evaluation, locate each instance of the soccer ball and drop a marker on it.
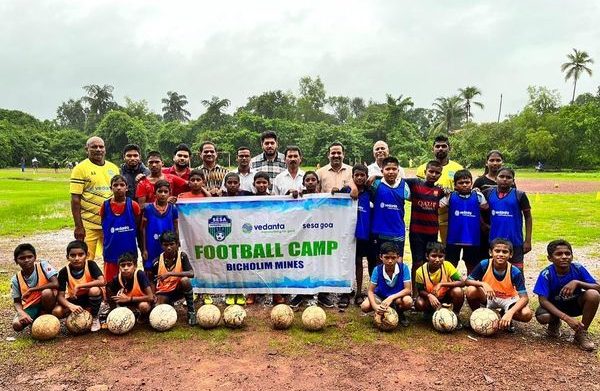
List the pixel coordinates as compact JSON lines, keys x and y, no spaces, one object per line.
{"x":282,"y":316}
{"x":313,"y":318}
{"x":388,"y":321}
{"x":208,"y":316}
{"x":444,"y":320}
{"x":79,"y":323}
{"x":234,"y":316}
{"x":120,"y":320}
{"x":45,"y":327}
{"x":484,"y":321}
{"x":163,"y":317}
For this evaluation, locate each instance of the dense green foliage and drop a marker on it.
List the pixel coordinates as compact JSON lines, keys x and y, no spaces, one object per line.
{"x":560,"y":136}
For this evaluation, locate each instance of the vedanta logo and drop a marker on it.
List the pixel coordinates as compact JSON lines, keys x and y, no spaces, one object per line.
{"x":268,"y":227}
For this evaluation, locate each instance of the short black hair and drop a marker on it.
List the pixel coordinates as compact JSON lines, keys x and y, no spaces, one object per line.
{"x":462,"y":174}
{"x":231,"y":175}
{"x":433,"y":163}
{"x":292,"y":148}
{"x":512,"y":172}
{"x":128,"y":257}
{"x":244,"y":148}
{"x":154,"y":154}
{"x":390,"y":160}
{"x":435,"y":246}
{"x":263,"y":175}
{"x":196,"y":172}
{"x":267,"y":134}
{"x":21,"y":248}
{"x":389,"y":247}
{"x":132,"y":147}
{"x":168,"y":236}
{"x":307,"y":173}
{"x":497,"y":241}
{"x":361,"y":168}
{"x":441,"y":139}
{"x":207,"y":143}
{"x":336,"y":144}
{"x":182,"y":147}
{"x":161,"y":183}
{"x":77,"y":244}
{"x":118,"y":178}
{"x":555,"y":243}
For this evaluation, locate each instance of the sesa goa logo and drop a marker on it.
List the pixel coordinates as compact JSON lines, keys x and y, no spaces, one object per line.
{"x":219,"y":226}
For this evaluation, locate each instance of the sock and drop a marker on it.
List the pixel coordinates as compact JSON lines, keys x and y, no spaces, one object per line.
{"x":95,"y":302}
{"x":189,"y":300}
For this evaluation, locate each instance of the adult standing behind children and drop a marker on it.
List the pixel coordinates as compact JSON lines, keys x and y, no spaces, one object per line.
{"x":336,"y":174}
{"x":89,"y":188}
{"x":290,"y":180}
{"x":271,"y":160}
{"x":380,"y":152}
{"x":213,"y":172}
{"x":133,"y":170}
{"x":244,"y":171}
{"x":181,"y":163}
{"x":441,"y":151}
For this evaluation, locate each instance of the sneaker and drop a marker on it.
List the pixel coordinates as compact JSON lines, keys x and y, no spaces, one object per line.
{"x":583,"y":339}
{"x":230,"y":299}
{"x":191,"y":318}
{"x":296,"y":301}
{"x":553,"y":330}
{"x":403,"y":321}
{"x":207,"y":298}
{"x":240,"y":299}
{"x":278,"y":299}
{"x":459,"y":326}
{"x":358,"y":299}
{"x":344,"y":301}
{"x":250,"y":299}
{"x":96,"y":326}
{"x":325,"y":300}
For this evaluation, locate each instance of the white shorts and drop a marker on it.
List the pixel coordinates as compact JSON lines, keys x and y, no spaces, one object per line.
{"x":501,"y":303}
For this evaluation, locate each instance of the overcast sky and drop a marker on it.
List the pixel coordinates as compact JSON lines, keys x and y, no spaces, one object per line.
{"x":235,"y":49}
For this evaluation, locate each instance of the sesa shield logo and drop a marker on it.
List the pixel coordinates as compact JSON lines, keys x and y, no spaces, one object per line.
{"x":219,"y":227}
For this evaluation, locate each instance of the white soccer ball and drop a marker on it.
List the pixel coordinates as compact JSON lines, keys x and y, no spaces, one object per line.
{"x":388,"y":321}
{"x":282,"y":316}
{"x":208,"y":316}
{"x":234,"y":316}
{"x":120,"y":320}
{"x":484,"y":321}
{"x":444,"y":320}
{"x":45,"y":327}
{"x":163,"y":317}
{"x":314,"y":318}
{"x":79,"y":323}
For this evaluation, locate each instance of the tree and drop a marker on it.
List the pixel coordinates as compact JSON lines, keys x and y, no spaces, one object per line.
{"x":396,"y":109}
{"x":341,"y":107}
{"x":448,"y":113}
{"x":358,"y":107}
{"x":312,"y":99}
{"x":119,"y":129}
{"x":99,"y":99}
{"x":272,"y":104}
{"x":468,"y":94}
{"x":542,"y":100}
{"x":71,"y":114}
{"x":173,"y":107}
{"x":577,"y":64}
{"x":214,"y":117}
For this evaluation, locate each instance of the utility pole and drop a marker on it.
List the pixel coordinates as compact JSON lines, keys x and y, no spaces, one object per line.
{"x":500,"y":108}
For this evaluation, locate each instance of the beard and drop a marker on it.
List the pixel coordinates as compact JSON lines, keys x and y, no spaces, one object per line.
{"x":181,"y":166}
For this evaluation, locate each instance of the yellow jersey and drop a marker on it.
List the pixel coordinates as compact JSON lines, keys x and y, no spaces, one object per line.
{"x":447,"y":178}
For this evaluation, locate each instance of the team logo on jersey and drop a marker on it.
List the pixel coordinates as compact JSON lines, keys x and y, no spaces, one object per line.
{"x":219,"y":227}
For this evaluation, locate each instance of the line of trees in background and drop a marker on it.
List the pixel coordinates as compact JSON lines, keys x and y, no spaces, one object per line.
{"x":560,"y":136}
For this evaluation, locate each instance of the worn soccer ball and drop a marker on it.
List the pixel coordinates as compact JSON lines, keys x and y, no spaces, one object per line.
{"x":120,"y":320}
{"x":79,"y":323}
{"x":208,"y":316}
{"x":234,"y":316}
{"x":313,"y":318}
{"x":282,"y":316}
{"x":444,"y":320}
{"x":163,"y":317}
{"x":388,"y":321}
{"x":484,"y":321}
{"x":45,"y":327}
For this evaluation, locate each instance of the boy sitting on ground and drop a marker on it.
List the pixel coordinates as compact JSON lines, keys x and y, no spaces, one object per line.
{"x":567,"y":290}
{"x":131,"y":288}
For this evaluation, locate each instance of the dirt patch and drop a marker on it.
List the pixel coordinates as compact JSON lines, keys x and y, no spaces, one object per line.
{"x":556,"y":186}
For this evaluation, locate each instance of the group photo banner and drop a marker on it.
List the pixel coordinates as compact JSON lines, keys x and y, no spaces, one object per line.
{"x":270,"y":245}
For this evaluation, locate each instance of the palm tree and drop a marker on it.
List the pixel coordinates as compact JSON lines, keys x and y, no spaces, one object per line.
{"x":577,"y":64}
{"x":448,"y":113}
{"x":467,"y":94}
{"x":173,"y":107}
{"x":214,"y":111}
{"x":99,"y":99}
{"x":397,"y":107}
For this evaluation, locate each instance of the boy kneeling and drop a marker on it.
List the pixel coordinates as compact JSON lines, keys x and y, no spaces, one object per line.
{"x":173,"y":275}
{"x":79,"y":284}
{"x":390,"y":284}
{"x":497,"y":284}
{"x":566,"y":290}
{"x":437,"y":282}
{"x":33,"y":289}
{"x":131,"y":288}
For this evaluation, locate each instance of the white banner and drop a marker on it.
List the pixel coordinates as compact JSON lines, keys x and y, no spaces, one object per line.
{"x":271,"y":244}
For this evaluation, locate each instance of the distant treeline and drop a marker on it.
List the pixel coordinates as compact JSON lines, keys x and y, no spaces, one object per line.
{"x":562,"y":137}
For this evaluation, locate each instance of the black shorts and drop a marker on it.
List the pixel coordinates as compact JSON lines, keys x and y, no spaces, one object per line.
{"x":363,"y":249}
{"x":83,"y":301}
{"x":172,"y":296}
{"x":418,"y":244}
{"x":518,"y":255}
{"x":470,"y":254}
{"x":570,"y":307}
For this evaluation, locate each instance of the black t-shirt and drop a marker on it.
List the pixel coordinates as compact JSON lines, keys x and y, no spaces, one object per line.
{"x":63,"y":275}
{"x":483,"y":183}
{"x":186,"y":266}
{"x":114,"y":286}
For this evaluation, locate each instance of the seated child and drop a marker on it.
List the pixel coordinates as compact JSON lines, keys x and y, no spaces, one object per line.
{"x":131,"y":288}
{"x":499,"y":285}
{"x":33,"y":289}
{"x":438,"y":281}
{"x":567,"y":290}
{"x":79,"y":284}
{"x":390,"y":284}
{"x":196,"y":183}
{"x":173,"y":273}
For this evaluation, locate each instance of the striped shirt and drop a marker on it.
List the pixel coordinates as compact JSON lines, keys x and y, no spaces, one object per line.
{"x":425,"y":201}
{"x":271,"y":167}
{"x":213,"y":177}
